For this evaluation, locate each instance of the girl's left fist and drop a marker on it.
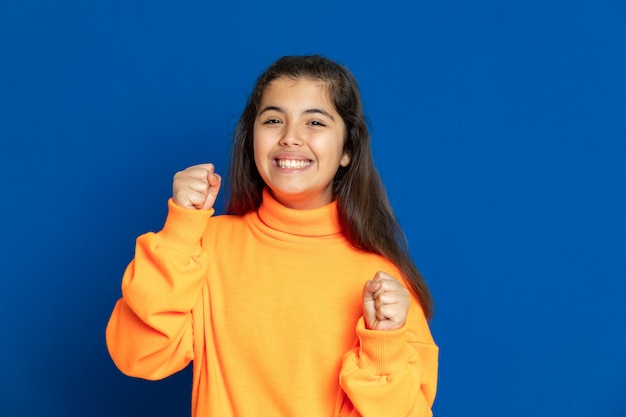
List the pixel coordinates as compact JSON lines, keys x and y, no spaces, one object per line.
{"x":385,"y":303}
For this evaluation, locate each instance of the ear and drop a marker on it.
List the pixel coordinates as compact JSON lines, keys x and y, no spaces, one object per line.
{"x":345,"y":160}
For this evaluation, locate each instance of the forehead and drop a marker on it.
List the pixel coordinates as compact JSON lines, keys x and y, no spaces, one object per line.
{"x":297,"y":90}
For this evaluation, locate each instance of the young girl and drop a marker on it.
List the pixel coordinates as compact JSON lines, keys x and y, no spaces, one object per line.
{"x":303,"y":300}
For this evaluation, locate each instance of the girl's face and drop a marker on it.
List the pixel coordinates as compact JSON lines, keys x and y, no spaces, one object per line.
{"x":299,"y":142}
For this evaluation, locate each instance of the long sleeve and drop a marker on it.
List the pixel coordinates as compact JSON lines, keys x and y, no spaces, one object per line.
{"x":391,"y":373}
{"x":149,"y":334}
{"x":266,"y":306}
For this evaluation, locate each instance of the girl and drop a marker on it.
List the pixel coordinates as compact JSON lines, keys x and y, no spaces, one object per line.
{"x":303,"y":300}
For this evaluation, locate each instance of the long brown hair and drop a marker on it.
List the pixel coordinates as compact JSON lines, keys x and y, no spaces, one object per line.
{"x":366,"y":217}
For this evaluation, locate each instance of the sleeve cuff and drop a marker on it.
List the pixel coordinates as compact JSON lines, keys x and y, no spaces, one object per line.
{"x":385,"y":352}
{"x":183,"y":227}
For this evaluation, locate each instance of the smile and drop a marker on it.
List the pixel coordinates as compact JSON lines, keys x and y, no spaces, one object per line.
{"x":293,"y":163}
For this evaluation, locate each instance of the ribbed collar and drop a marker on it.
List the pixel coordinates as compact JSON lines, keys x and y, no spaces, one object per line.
{"x":323,"y":221}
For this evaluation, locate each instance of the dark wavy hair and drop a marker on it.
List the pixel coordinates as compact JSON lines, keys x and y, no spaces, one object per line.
{"x":366,"y":216}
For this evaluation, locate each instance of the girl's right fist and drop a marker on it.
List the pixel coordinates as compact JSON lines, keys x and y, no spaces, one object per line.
{"x":196,"y":187}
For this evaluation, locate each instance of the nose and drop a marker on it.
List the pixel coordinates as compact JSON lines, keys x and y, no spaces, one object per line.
{"x":291,"y":136}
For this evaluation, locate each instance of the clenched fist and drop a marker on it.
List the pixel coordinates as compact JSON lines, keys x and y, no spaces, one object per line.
{"x":385,"y":303}
{"x":196,"y":187}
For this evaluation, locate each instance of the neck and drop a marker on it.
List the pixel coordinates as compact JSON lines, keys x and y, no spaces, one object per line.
{"x":302,"y":201}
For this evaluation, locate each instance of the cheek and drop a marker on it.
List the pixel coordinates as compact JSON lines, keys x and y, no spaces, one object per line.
{"x":260,"y":152}
{"x":342,"y":154}
{"x":257,"y":153}
{"x":255,"y":143}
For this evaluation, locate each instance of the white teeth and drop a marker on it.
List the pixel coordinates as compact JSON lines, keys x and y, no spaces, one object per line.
{"x":292,"y":163}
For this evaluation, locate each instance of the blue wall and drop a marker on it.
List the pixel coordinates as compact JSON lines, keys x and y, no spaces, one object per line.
{"x":498,"y":127}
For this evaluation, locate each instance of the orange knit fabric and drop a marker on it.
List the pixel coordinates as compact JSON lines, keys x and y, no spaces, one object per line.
{"x":268,"y":307}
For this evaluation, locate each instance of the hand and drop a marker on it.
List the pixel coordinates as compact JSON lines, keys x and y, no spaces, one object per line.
{"x":385,"y":303}
{"x":196,"y":187}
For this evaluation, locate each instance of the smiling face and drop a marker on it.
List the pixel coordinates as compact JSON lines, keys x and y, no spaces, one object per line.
{"x":299,"y":142}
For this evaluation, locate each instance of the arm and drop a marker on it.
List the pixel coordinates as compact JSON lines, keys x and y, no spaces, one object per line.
{"x":393,"y":369}
{"x":149,"y":334}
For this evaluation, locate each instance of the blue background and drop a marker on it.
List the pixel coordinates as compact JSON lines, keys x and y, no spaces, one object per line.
{"x":498,"y":127}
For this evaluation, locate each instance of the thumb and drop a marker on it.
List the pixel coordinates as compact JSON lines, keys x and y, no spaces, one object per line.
{"x":369,"y":302}
{"x":215,"y":182}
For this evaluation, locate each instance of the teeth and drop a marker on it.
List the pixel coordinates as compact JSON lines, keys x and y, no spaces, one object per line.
{"x":292,"y":163}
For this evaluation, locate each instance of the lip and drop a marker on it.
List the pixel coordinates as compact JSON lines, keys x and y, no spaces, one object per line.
{"x":291,"y":156}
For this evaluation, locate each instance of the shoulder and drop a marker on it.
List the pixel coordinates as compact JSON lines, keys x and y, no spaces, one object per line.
{"x":366,"y":265}
{"x":223,"y":222}
{"x":225,"y":228}
{"x":380,"y":263}
{"x":225,"y":219}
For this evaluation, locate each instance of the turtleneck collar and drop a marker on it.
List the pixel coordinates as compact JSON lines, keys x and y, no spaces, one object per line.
{"x":322,"y":221}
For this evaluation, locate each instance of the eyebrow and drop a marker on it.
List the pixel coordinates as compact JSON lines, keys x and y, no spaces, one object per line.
{"x":307,"y":111}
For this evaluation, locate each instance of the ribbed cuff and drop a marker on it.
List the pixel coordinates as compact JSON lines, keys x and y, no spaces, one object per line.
{"x":383,"y":351}
{"x":183,"y":227}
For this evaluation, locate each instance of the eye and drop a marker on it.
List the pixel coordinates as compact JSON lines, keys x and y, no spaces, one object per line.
{"x":316,"y":123}
{"x":271,"y":122}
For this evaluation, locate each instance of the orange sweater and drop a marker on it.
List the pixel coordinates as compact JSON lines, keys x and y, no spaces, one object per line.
{"x":268,"y":307}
